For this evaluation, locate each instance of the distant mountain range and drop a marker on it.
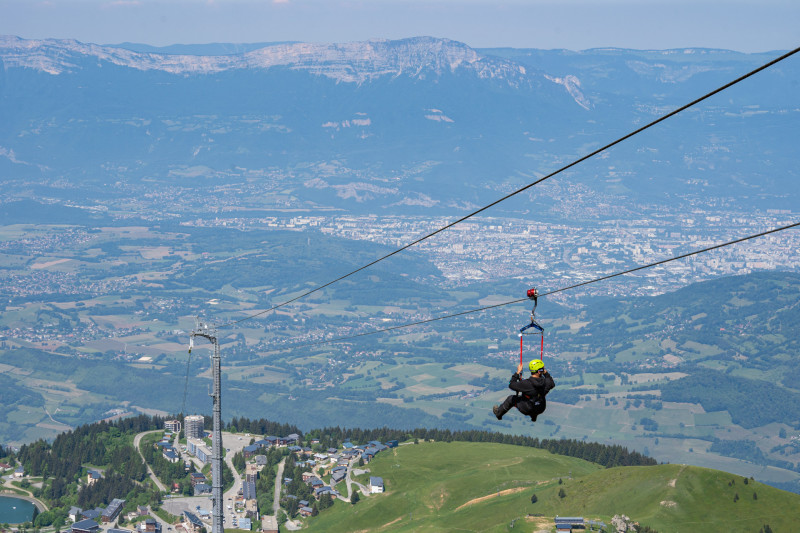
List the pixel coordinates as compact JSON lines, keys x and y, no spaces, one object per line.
{"x":405,"y":125}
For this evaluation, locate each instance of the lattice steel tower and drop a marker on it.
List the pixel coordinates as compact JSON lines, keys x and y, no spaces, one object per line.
{"x":202,"y":330}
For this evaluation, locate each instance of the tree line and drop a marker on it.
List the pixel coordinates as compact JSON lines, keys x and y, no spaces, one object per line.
{"x":333,"y":437}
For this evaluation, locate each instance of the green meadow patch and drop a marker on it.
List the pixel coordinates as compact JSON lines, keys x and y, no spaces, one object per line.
{"x":485,"y":487}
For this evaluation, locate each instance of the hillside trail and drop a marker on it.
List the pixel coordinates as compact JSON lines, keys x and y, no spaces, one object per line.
{"x":491,"y":496}
{"x":673,"y":482}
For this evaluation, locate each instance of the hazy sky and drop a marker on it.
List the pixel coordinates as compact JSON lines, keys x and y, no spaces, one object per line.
{"x":743,"y":25}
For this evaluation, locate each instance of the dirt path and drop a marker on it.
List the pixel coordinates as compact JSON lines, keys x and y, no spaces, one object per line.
{"x":490,"y":496}
{"x":673,"y":482}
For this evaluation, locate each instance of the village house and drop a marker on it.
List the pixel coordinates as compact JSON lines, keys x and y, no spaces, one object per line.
{"x":171,"y":455}
{"x":191,"y":523}
{"x":197,"y":477}
{"x":325,"y":490}
{"x":251,"y":450}
{"x":375,"y":484}
{"x":149,"y":525}
{"x":92,"y":476}
{"x":202,"y":488}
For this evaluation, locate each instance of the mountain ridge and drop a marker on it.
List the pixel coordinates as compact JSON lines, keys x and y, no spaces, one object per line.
{"x":352,"y":62}
{"x":401,"y":122}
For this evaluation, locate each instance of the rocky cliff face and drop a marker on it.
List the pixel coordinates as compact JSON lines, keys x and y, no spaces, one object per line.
{"x":355,"y":62}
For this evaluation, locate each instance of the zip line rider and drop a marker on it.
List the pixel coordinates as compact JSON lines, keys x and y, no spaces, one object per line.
{"x":531,"y":392}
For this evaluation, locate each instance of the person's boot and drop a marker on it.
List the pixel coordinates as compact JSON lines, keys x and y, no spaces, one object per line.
{"x":533,"y":418}
{"x":497,"y":412}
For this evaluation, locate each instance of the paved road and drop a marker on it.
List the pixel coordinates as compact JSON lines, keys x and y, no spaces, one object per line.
{"x":136,"y":441}
{"x":233,"y":443}
{"x":349,"y":482}
{"x":276,"y":499}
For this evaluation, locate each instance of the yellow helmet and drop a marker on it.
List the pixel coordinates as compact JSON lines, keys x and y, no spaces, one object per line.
{"x":535,"y":365}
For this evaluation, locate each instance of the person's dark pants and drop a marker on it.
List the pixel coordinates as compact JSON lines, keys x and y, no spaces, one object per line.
{"x":524,"y":405}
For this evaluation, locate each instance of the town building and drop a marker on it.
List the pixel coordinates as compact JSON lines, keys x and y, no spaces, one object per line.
{"x":249,"y":490}
{"x":112,"y":511}
{"x":194,"y":426}
{"x":92,"y":514}
{"x":85,"y":526}
{"x":251,"y":472}
{"x":269,"y":524}
{"x":568,"y":523}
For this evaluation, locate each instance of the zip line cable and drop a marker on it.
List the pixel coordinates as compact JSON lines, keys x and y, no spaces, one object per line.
{"x":526,"y":187}
{"x":602,"y":278}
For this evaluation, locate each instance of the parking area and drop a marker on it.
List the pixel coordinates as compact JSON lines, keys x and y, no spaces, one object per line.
{"x":176,"y":506}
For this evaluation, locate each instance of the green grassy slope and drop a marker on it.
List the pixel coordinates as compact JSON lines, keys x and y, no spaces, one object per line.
{"x":454,"y":487}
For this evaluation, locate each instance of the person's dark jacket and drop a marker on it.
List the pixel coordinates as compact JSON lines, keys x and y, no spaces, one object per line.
{"x":533,"y":389}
